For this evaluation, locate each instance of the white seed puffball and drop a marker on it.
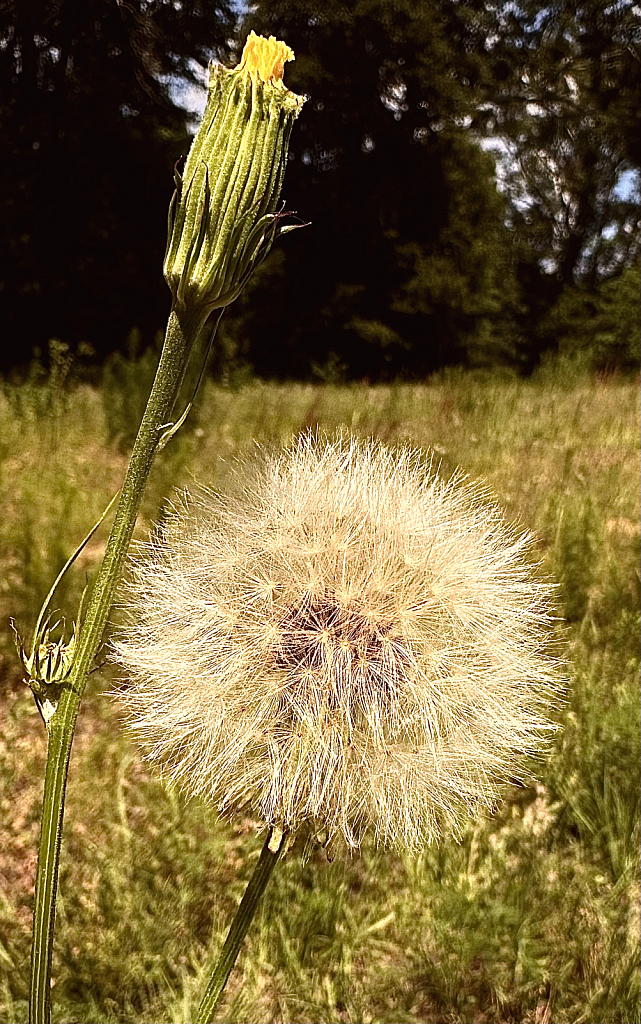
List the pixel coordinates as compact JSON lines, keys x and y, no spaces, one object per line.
{"x":344,"y":643}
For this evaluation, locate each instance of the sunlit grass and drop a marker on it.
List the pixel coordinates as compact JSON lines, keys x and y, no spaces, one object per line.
{"x":532,"y":918}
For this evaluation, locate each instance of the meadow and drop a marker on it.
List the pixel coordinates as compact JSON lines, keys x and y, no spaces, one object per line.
{"x":533,"y":918}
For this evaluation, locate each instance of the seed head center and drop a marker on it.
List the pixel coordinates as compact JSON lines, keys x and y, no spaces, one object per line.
{"x":344,"y":649}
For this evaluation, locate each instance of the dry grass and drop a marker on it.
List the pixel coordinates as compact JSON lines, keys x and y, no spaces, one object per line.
{"x":532,"y":917}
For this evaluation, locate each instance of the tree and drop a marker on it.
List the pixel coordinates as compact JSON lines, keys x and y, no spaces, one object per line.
{"x":405,"y":266}
{"x":564,"y":96}
{"x":90,"y":136}
{"x":597,"y":327}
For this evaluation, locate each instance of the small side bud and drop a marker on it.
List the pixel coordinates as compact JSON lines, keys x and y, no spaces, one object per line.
{"x":223,"y":218}
{"x":48,"y":666}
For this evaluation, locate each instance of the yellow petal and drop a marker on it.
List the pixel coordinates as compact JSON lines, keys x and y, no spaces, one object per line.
{"x":265,"y":57}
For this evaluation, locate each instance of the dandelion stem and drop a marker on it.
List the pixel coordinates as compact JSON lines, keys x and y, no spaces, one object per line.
{"x":238,"y":930}
{"x":182,"y":333}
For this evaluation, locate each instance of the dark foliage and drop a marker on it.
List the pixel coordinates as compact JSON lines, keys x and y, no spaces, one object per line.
{"x":566,"y":94}
{"x":405,"y":266}
{"x":414,"y":259}
{"x":90,"y":136}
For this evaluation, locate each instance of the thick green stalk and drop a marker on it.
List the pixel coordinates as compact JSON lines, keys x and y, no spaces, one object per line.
{"x":181,"y":335}
{"x":238,"y":930}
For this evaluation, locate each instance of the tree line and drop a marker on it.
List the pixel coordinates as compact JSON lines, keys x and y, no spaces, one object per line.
{"x":469,"y":174}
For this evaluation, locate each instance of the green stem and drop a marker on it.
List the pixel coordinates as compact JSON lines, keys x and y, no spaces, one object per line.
{"x":238,"y":931}
{"x":181,"y":335}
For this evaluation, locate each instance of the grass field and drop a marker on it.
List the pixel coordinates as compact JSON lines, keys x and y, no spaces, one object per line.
{"x":533,"y":917}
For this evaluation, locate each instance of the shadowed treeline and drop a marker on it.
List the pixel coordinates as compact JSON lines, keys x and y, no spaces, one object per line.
{"x":414,"y":259}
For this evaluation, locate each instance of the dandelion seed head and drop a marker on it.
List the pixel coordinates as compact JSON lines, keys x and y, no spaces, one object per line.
{"x":345,"y":642}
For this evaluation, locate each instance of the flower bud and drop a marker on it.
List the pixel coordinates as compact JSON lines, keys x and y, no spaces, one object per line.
{"x":49,"y":664}
{"x":223,"y":218}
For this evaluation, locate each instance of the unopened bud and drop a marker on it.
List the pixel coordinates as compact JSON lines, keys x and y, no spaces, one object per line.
{"x":224,"y":218}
